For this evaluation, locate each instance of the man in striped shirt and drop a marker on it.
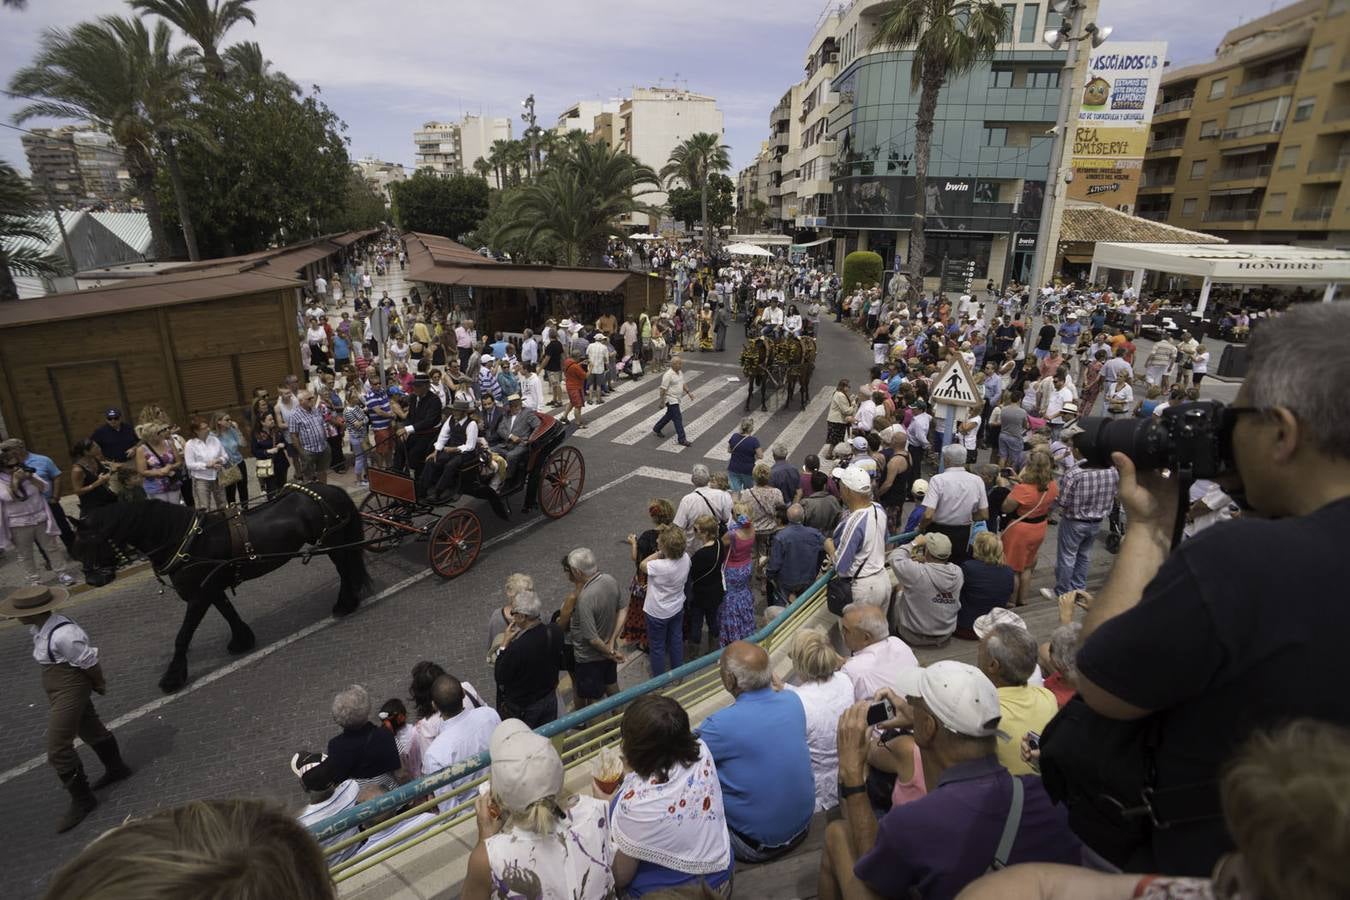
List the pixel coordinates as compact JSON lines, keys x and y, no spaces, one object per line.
{"x":1085,"y":498}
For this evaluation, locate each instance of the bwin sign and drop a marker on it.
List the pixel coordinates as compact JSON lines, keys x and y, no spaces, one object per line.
{"x":957,"y":186}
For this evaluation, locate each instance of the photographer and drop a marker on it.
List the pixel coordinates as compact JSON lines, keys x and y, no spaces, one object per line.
{"x":1239,"y":628}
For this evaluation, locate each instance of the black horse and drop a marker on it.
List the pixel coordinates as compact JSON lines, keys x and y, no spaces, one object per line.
{"x":202,"y":560}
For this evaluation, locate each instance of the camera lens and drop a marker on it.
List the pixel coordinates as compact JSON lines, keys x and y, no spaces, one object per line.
{"x":1144,"y":441}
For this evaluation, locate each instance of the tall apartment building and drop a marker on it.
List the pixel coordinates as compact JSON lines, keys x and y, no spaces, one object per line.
{"x":990,"y":150}
{"x":581,"y":116}
{"x":380,"y":175}
{"x":451,"y":148}
{"x":805,"y":169}
{"x":655,"y":120}
{"x":476,"y":136}
{"x":437,"y":148}
{"x":76,"y":164}
{"x":752,"y":190}
{"x":1254,"y":145}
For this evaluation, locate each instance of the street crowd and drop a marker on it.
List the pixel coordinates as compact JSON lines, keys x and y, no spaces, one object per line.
{"x":1194,"y":688}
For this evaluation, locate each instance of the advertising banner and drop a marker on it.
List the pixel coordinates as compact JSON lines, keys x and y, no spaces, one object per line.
{"x":1110,"y":131}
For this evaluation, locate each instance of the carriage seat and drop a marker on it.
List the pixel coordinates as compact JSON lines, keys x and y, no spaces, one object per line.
{"x":546,"y":422}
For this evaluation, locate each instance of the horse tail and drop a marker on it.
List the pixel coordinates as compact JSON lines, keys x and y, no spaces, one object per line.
{"x":349,"y":557}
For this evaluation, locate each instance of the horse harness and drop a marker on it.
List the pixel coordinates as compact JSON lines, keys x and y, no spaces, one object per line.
{"x":241,"y":547}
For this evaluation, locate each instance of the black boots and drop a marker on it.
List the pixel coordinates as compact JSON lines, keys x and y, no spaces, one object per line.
{"x":82,"y":800}
{"x":114,"y":769}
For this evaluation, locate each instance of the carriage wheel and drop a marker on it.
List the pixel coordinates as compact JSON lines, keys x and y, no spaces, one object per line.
{"x":381,"y":537}
{"x":561,"y":481}
{"x":455,"y":542}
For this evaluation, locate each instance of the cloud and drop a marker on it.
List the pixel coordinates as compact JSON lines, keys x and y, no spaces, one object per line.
{"x":387,"y":67}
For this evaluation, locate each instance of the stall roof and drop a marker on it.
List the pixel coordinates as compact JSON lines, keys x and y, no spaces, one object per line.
{"x":1092,"y":222}
{"x":1230,"y":263}
{"x":439,"y":260}
{"x":140,"y":293}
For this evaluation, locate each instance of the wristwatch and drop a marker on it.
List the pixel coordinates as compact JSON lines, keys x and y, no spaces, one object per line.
{"x":848,"y":790}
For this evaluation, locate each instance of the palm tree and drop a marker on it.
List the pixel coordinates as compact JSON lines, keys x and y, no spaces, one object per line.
{"x":693,"y":161}
{"x":130,"y":84}
{"x":20,"y":229}
{"x":245,"y":64}
{"x":203,"y":21}
{"x":482,"y":167}
{"x":577,"y":204}
{"x":949,"y":38}
{"x":498,"y":154}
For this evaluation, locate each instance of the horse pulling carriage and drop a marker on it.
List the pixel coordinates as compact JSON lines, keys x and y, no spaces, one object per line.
{"x":552,"y":478}
{"x":205,"y":555}
{"x":781,"y":364}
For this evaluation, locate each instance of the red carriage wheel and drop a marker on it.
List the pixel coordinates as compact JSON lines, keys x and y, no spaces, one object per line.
{"x":561,"y":482}
{"x":455,"y":542}
{"x":379,"y":536}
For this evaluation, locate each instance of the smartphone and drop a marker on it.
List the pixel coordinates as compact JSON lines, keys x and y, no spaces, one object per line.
{"x":881,"y":711}
{"x":1034,"y":744}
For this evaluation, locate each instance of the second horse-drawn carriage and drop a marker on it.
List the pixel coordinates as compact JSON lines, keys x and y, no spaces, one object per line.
{"x":777,"y":364}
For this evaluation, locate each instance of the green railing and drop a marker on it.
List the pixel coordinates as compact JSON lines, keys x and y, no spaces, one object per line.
{"x":579,"y":736}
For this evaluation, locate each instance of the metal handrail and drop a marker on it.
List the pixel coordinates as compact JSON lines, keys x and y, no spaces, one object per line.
{"x":598,"y":724}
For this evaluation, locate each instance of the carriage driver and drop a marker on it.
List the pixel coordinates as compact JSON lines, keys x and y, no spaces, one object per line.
{"x":772,"y":317}
{"x":70,"y":673}
{"x":455,"y":448}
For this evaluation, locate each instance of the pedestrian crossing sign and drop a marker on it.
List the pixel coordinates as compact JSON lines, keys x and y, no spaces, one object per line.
{"x":954,"y":386}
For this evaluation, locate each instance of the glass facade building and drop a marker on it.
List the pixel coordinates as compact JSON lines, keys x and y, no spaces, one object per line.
{"x":987,"y":169}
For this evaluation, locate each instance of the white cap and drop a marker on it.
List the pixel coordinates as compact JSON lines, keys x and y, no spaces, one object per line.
{"x":920,"y":486}
{"x":859,"y":442}
{"x":999,"y":615}
{"x":960,"y":696}
{"x":525,"y":767}
{"x":854,"y":479}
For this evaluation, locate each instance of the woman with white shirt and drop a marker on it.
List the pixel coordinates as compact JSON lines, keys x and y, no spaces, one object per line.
{"x":1119,"y":398}
{"x":205,"y":456}
{"x":317,"y":339}
{"x":667,"y":570}
{"x":793,"y":323}
{"x":826,"y":693}
{"x":531,"y":387}
{"x":1199,"y":365}
{"x":398,"y":349}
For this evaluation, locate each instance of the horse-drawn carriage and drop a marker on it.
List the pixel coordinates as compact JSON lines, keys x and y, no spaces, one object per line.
{"x":551,"y":478}
{"x":779,"y":364}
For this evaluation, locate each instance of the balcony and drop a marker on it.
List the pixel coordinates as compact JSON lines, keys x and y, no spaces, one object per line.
{"x":1256,"y":128}
{"x":1329,"y":166}
{"x":1153,"y":215}
{"x":1337,"y":114}
{"x":1265,"y":83}
{"x":1173,"y":106}
{"x":1242,"y":173}
{"x":1231,"y":215}
{"x":1172,"y":143}
{"x":1157,"y":182}
{"x":1312,"y":214}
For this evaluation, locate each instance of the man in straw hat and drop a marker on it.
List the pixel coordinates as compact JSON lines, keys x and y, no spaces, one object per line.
{"x":70,"y":672}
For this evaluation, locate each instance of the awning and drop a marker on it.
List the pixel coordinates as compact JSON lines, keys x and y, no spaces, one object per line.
{"x":1230,"y":263}
{"x":1233,"y":192}
{"x":352,"y":237}
{"x":741,"y":249}
{"x":815,"y":243}
{"x":1243,"y":151}
{"x":1078,"y":259}
{"x":600,"y":281}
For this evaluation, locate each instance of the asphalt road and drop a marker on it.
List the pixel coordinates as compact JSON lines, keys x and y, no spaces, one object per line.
{"x":232,"y":730}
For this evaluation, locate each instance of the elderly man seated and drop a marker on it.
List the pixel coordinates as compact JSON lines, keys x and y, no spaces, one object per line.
{"x":763,"y":763}
{"x":511,"y":437}
{"x":934,"y":845}
{"x":930,"y":590}
{"x":364,"y":751}
{"x":1008,"y":657}
{"x":795,"y":556}
{"x":877,"y":658}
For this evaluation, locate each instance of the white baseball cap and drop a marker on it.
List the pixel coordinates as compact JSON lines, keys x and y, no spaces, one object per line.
{"x":999,"y":615}
{"x":853,"y":478}
{"x":960,"y":696}
{"x":525,"y":767}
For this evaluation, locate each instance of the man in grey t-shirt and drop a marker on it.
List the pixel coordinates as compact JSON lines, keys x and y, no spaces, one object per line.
{"x":1012,"y":430}
{"x":591,"y":617}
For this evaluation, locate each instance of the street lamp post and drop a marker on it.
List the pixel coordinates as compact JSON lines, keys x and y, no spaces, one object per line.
{"x":531,"y":132}
{"x":1071,"y":32}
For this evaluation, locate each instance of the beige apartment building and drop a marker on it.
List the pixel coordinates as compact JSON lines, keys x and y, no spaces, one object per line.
{"x":1254,"y":145}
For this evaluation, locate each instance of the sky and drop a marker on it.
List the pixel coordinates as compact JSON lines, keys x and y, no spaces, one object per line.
{"x":386,"y":67}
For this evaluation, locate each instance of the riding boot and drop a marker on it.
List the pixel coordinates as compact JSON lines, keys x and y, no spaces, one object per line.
{"x":82,"y":800}
{"x":114,"y":769}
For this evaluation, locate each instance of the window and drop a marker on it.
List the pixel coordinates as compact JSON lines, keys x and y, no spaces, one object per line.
{"x":1337,"y":7}
{"x":1031,"y":14}
{"x":1275,"y":203}
{"x":1217,"y":87}
{"x":1289,"y":157}
{"x":1001,"y":78}
{"x":1256,"y":114}
{"x":1198,"y":169}
{"x":1209,"y":129}
{"x":995,"y":136}
{"x":1188,"y":206}
{"x":1319,"y":58}
{"x":1303,"y":109}
{"x":1043,"y":78}
{"x":1053,"y":19}
{"x":1009,"y":19}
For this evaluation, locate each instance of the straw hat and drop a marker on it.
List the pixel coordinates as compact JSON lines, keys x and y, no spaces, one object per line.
{"x":32,"y":601}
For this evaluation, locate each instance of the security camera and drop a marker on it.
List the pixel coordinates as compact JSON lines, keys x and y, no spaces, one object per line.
{"x":1068,"y":176}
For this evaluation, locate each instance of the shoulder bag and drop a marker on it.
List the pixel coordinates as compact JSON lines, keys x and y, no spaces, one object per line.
{"x":839,"y":592}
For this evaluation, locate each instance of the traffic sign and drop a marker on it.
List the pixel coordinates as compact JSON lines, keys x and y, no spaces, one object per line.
{"x":954,"y":386}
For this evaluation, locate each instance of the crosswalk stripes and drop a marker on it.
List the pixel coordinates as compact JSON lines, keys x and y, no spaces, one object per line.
{"x":644,"y":427}
{"x":804,"y":421}
{"x":695,"y":429}
{"x":640,"y":395}
{"x":722,"y":451}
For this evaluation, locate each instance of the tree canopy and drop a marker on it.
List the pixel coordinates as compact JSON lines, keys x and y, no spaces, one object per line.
{"x":450,"y":206}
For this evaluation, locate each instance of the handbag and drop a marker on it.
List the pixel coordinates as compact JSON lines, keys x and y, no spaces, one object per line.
{"x":229,"y":476}
{"x":839,"y":592}
{"x":265,"y":468}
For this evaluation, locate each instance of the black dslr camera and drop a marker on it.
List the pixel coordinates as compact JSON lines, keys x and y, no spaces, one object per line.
{"x":1195,"y":439}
